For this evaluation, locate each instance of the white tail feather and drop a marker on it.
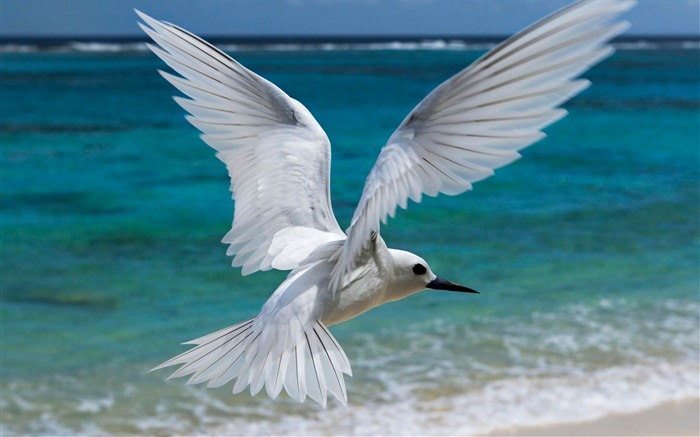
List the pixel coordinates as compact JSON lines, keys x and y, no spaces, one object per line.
{"x":258,"y":358}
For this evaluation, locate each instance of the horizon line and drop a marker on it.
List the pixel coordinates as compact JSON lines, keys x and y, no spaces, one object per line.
{"x":326,"y":37}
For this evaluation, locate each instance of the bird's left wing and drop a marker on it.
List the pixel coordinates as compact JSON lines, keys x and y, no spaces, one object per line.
{"x":477,"y":120}
{"x":277,"y":155}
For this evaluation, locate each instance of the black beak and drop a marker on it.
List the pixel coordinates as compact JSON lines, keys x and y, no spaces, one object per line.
{"x":441,"y":284}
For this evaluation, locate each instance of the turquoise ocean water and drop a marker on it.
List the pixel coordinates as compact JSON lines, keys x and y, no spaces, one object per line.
{"x":585,"y":251}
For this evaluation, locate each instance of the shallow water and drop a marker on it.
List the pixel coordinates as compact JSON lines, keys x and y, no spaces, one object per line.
{"x":585,"y":251}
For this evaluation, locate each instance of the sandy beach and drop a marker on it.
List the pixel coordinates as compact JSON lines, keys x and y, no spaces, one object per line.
{"x":670,"y":419}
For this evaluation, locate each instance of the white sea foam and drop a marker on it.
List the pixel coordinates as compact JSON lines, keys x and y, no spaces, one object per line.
{"x":421,"y":44}
{"x":578,"y":363}
{"x":95,"y":405}
{"x":690,"y":45}
{"x":427,"y":44}
{"x":74,"y":47}
{"x":102,"y":47}
{"x":18,"y":48}
{"x":657,"y":45}
{"x":597,"y":362}
{"x":400,"y":408}
{"x":501,"y":404}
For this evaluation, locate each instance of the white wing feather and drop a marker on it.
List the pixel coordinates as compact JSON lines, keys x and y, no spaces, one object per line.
{"x":277,"y":155}
{"x":477,"y":120}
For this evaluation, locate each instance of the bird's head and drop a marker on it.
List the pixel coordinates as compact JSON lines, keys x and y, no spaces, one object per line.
{"x":412,"y":274}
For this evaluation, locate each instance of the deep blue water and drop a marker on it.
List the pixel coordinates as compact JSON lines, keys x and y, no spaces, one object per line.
{"x":585,"y":251}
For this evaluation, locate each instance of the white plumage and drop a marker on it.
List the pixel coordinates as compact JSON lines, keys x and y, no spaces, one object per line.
{"x":278,"y":158}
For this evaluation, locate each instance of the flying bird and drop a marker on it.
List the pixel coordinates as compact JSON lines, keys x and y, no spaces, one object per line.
{"x":278,"y":159}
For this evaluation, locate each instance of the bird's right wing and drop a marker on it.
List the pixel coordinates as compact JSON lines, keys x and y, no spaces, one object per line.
{"x":477,"y":120}
{"x":277,"y":155}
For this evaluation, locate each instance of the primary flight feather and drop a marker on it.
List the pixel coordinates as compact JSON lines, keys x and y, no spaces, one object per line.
{"x":278,"y":159}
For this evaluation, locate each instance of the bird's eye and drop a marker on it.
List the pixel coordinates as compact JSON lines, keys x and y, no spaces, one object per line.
{"x":419,"y":269}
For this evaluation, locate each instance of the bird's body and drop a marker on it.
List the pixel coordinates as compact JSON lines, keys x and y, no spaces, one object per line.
{"x":278,"y":159}
{"x":378,"y":280}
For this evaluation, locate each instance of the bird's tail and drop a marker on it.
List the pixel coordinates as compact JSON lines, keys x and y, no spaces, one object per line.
{"x":309,"y":364}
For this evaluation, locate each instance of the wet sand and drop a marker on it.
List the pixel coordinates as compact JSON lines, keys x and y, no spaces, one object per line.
{"x":670,"y":419}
